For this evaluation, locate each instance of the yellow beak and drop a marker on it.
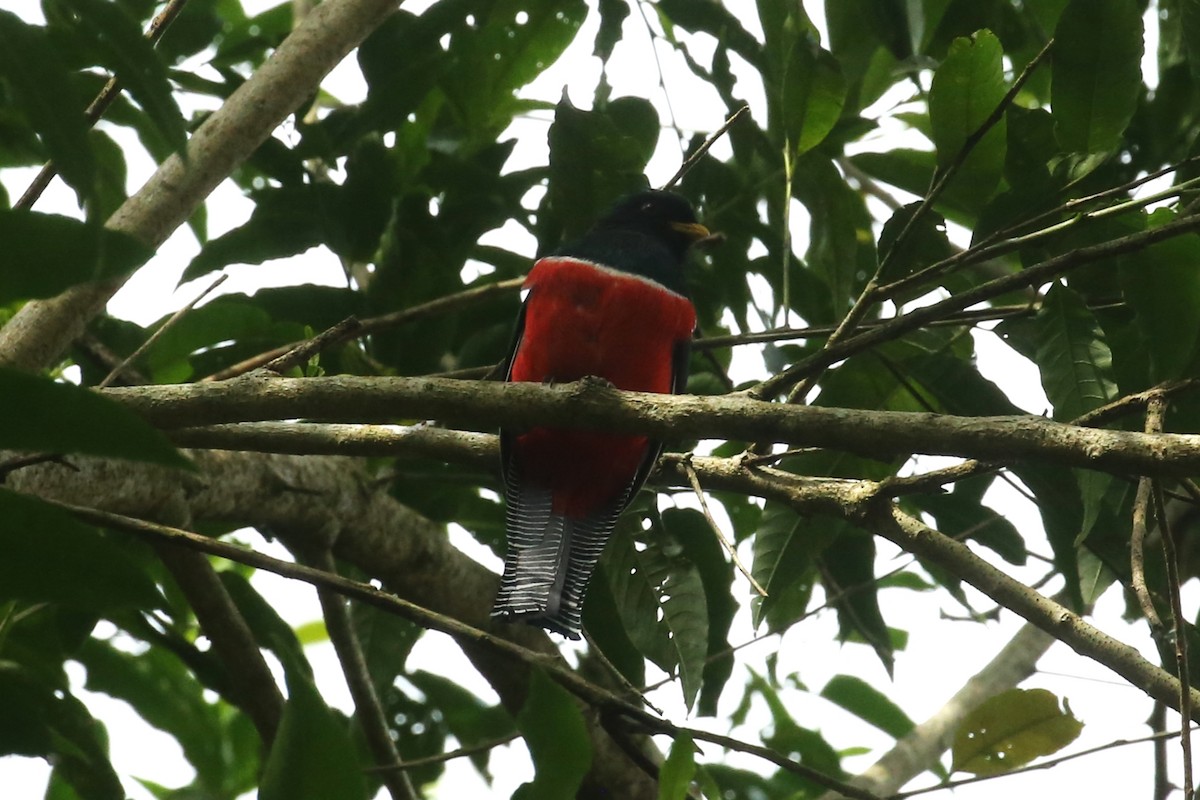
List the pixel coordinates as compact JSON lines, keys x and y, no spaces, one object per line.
{"x":693,"y":230}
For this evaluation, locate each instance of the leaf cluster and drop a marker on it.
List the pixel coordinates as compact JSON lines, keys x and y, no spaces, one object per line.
{"x":1029,"y":129}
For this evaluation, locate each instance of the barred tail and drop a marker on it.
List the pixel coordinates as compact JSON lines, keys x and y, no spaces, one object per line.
{"x":550,"y":560}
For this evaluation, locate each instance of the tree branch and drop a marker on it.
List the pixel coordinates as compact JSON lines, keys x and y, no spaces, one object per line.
{"x":598,"y":697}
{"x":590,"y":405}
{"x":920,"y":749}
{"x":38,"y":333}
{"x":918,"y":318}
{"x":409,"y":554}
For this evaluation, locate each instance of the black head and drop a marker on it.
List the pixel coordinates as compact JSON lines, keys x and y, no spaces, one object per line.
{"x":665,"y":216}
{"x":647,"y":234}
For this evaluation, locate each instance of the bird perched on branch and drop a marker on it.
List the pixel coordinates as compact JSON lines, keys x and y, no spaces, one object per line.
{"x":613,"y":305}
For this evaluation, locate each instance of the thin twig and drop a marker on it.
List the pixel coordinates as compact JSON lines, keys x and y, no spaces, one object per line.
{"x":1155,"y":414}
{"x":1137,"y":557}
{"x":867,"y":184}
{"x":371,"y":719}
{"x":91,"y":346}
{"x":868,"y":296}
{"x":162,"y":329}
{"x":691,"y":161}
{"x":395,"y":319}
{"x":694,"y":480}
{"x":1054,"y":762}
{"x":1155,"y":411}
{"x":831,"y":602}
{"x":1133,"y":402}
{"x":917,"y":318}
{"x":99,"y":105}
{"x":441,"y":758}
{"x":342,"y":331}
{"x":662,"y":80}
{"x":617,"y":675}
{"x":1007,"y":239}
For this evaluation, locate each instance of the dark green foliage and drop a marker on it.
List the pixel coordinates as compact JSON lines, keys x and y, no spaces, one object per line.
{"x":46,"y":253}
{"x":313,"y":756}
{"x":409,"y":188}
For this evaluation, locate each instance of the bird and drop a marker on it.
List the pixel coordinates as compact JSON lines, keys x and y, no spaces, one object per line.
{"x":612,"y":305}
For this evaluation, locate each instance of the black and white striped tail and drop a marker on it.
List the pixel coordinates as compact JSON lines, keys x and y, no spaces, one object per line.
{"x":550,"y":560}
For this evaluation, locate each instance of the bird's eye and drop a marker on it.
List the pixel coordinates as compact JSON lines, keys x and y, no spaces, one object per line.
{"x":647,"y":206}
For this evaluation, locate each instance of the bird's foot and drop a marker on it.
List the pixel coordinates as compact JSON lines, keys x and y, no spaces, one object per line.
{"x":596,"y":382}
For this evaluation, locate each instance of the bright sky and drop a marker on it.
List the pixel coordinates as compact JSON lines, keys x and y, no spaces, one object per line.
{"x":941,"y":654}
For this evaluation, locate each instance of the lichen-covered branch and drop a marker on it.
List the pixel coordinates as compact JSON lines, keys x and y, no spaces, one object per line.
{"x":590,"y":404}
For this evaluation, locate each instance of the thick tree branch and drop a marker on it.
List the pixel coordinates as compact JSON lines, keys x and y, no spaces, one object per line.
{"x":36,"y":336}
{"x":919,"y":539}
{"x":588,"y":404}
{"x":250,"y":680}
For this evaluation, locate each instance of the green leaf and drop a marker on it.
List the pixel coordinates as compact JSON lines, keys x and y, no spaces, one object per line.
{"x":166,"y":694}
{"x":700,"y":546}
{"x":286,"y":221}
{"x":841,"y":251}
{"x":713,"y":18}
{"x":134,"y":62}
{"x":925,"y":243}
{"x":386,"y":641}
{"x":313,"y":757}
{"x":267,"y":627}
{"x":45,"y":416}
{"x":25,"y":731}
{"x":791,"y":739}
{"x":466,"y":716}
{"x":910,"y":170}
{"x":966,"y":89}
{"x":57,"y":726}
{"x":1061,"y":508}
{"x":962,"y":515}
{"x":675,"y":775}
{"x":657,"y":578}
{"x":804,"y":81}
{"x":1010,"y":730}
{"x":367,"y":201}
{"x":1096,"y":73}
{"x":595,"y":157}
{"x":612,"y":15}
{"x":1074,"y":359}
{"x":1163,"y":286}
{"x":44,"y":254}
{"x":228,"y":318}
{"x":868,"y":704}
{"x":605,"y":624}
{"x":784,"y":550}
{"x":557,"y":738}
{"x":41,"y":89}
{"x":1190,"y":11}
{"x":501,"y":54}
{"x":47,"y":555}
{"x":848,"y":574}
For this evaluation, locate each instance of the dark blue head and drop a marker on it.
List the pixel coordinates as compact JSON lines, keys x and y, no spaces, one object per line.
{"x":647,"y":233}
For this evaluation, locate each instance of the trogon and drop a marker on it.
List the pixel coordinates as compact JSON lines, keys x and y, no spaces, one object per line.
{"x":613,"y":305}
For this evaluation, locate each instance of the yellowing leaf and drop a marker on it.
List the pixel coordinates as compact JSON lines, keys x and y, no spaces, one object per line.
{"x":1012,"y":729}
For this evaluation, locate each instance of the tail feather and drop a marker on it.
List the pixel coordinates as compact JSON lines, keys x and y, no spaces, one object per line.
{"x":550,"y":561}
